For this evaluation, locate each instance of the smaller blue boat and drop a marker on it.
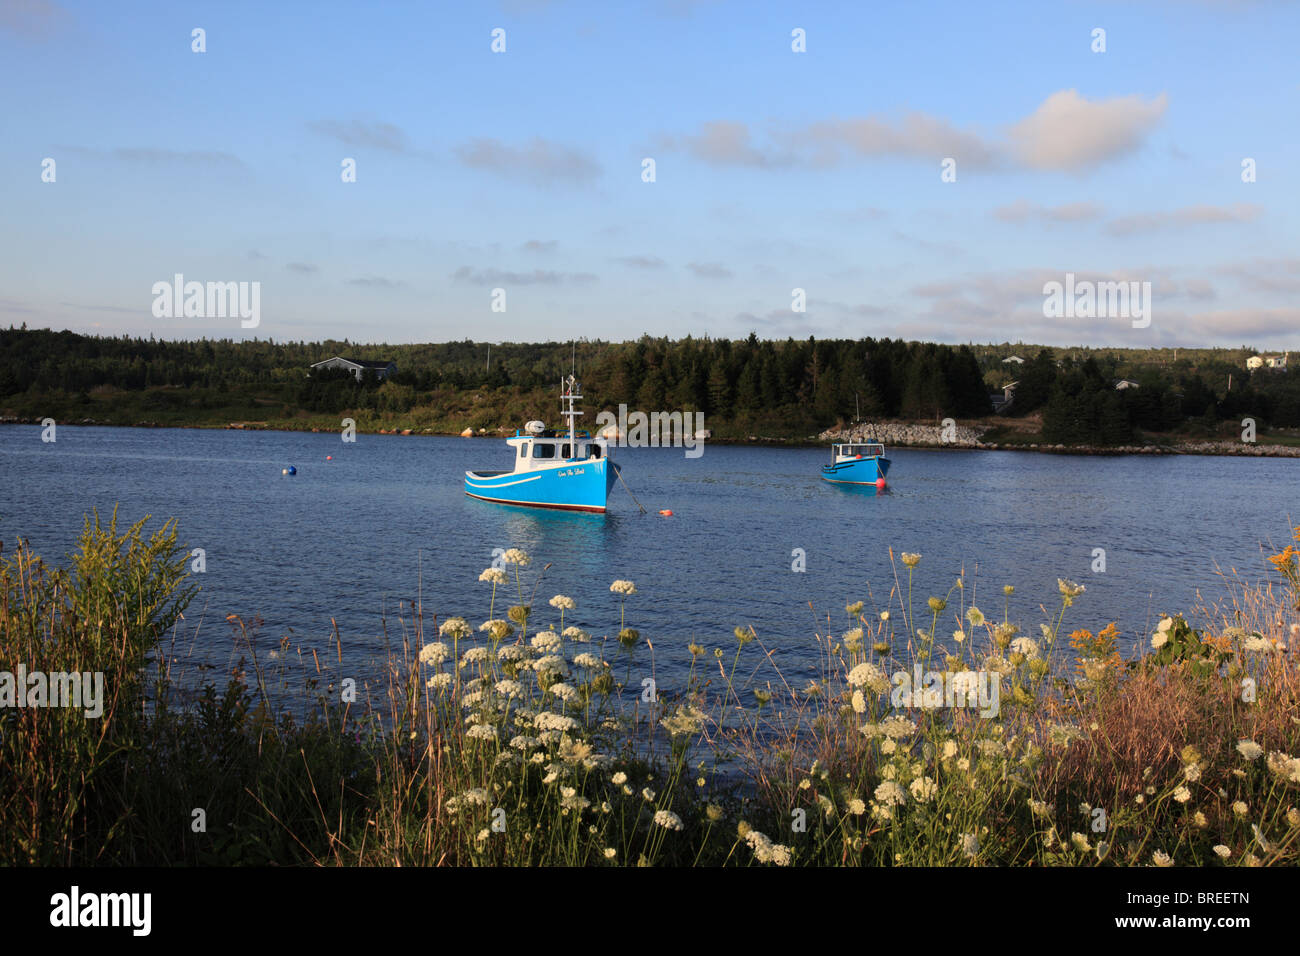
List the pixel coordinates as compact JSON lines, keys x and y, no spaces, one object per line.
{"x":567,"y":469}
{"x":858,"y":463}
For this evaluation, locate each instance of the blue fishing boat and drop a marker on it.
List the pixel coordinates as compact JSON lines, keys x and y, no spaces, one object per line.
{"x":567,"y":469}
{"x":858,"y":463}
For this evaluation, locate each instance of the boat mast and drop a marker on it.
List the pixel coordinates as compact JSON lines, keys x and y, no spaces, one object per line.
{"x":568,"y":395}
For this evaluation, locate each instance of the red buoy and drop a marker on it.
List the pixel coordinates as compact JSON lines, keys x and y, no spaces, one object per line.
{"x":880,"y":483}
{"x":666,"y":512}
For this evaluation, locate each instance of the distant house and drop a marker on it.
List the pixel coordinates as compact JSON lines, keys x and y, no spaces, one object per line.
{"x":1254,"y":362}
{"x":1123,"y":383}
{"x":1013,"y":358}
{"x":1001,"y":400}
{"x":358,"y":367}
{"x":1277,"y":361}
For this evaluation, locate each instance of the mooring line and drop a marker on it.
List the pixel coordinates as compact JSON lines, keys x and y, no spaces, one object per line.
{"x":619,"y":471}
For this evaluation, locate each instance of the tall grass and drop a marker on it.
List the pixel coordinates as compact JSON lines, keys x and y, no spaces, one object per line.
{"x":523,"y":741}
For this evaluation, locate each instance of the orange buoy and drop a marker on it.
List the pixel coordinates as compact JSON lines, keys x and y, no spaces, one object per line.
{"x":880,"y":482}
{"x":666,"y":512}
{"x":329,"y":457}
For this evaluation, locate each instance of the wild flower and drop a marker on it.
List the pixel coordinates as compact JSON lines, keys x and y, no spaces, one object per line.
{"x":623,"y":587}
{"x":516,"y":557}
{"x":610,"y":853}
{"x":668,"y":820}
{"x":884,"y":615}
{"x":680,"y":724}
{"x":1259,"y":838}
{"x":494,"y":576}
{"x":547,"y":642}
{"x":1239,"y":808}
{"x":975,"y":616}
{"x":923,"y":789}
{"x":897,"y":727}
{"x":566,"y":692}
{"x":1284,"y":766}
{"x":1182,"y":794}
{"x":560,"y":602}
{"x":890,"y":794}
{"x":475,"y":655}
{"x":551,"y":664}
{"x":856,"y":806}
{"x":1026,"y":646}
{"x":1080,"y":842}
{"x":1222,"y":851}
{"x":575,"y":634}
{"x":434,"y":654}
{"x":911,"y":559}
{"x":854,"y":609}
{"x":497,"y":629}
{"x":619,"y":778}
{"x":970,"y":845}
{"x":1069,"y":589}
{"x":1159,"y":639}
{"x":1040,"y":808}
{"x":439,"y":681}
{"x":648,"y":795}
{"x":455,"y":627}
{"x":571,"y":800}
{"x":549,"y":721}
{"x":482,"y":732}
{"x":587,"y":661}
{"x":765,"y":851}
{"x":869,"y":675}
{"x":509,"y":688}
{"x":1161,"y":858}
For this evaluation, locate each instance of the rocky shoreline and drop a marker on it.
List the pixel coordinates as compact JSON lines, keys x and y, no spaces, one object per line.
{"x":891,"y":434}
{"x":902,"y":435}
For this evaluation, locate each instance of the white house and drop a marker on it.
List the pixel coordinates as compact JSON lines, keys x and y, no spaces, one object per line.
{"x":358,"y":366}
{"x":1013,"y":358}
{"x":1277,"y":361}
{"x":1124,"y":383}
{"x":1254,"y":362}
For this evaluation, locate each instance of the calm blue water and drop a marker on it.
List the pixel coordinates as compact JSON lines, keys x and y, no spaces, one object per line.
{"x":346,"y":538}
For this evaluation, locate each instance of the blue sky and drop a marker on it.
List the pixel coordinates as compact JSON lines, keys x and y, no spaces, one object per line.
{"x":774,"y":170}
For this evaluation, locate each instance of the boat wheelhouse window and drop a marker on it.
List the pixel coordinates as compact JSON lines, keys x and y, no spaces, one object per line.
{"x":543,"y":450}
{"x":564,"y":452}
{"x":523,"y":451}
{"x":595,"y":451}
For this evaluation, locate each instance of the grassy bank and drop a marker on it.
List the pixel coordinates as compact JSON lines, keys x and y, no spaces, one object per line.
{"x":507,"y":737}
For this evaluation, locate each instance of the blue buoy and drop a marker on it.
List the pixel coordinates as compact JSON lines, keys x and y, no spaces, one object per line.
{"x":293,"y":470}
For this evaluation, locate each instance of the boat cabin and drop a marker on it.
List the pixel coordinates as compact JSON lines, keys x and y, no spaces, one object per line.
{"x":858,"y":450}
{"x":550,"y":448}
